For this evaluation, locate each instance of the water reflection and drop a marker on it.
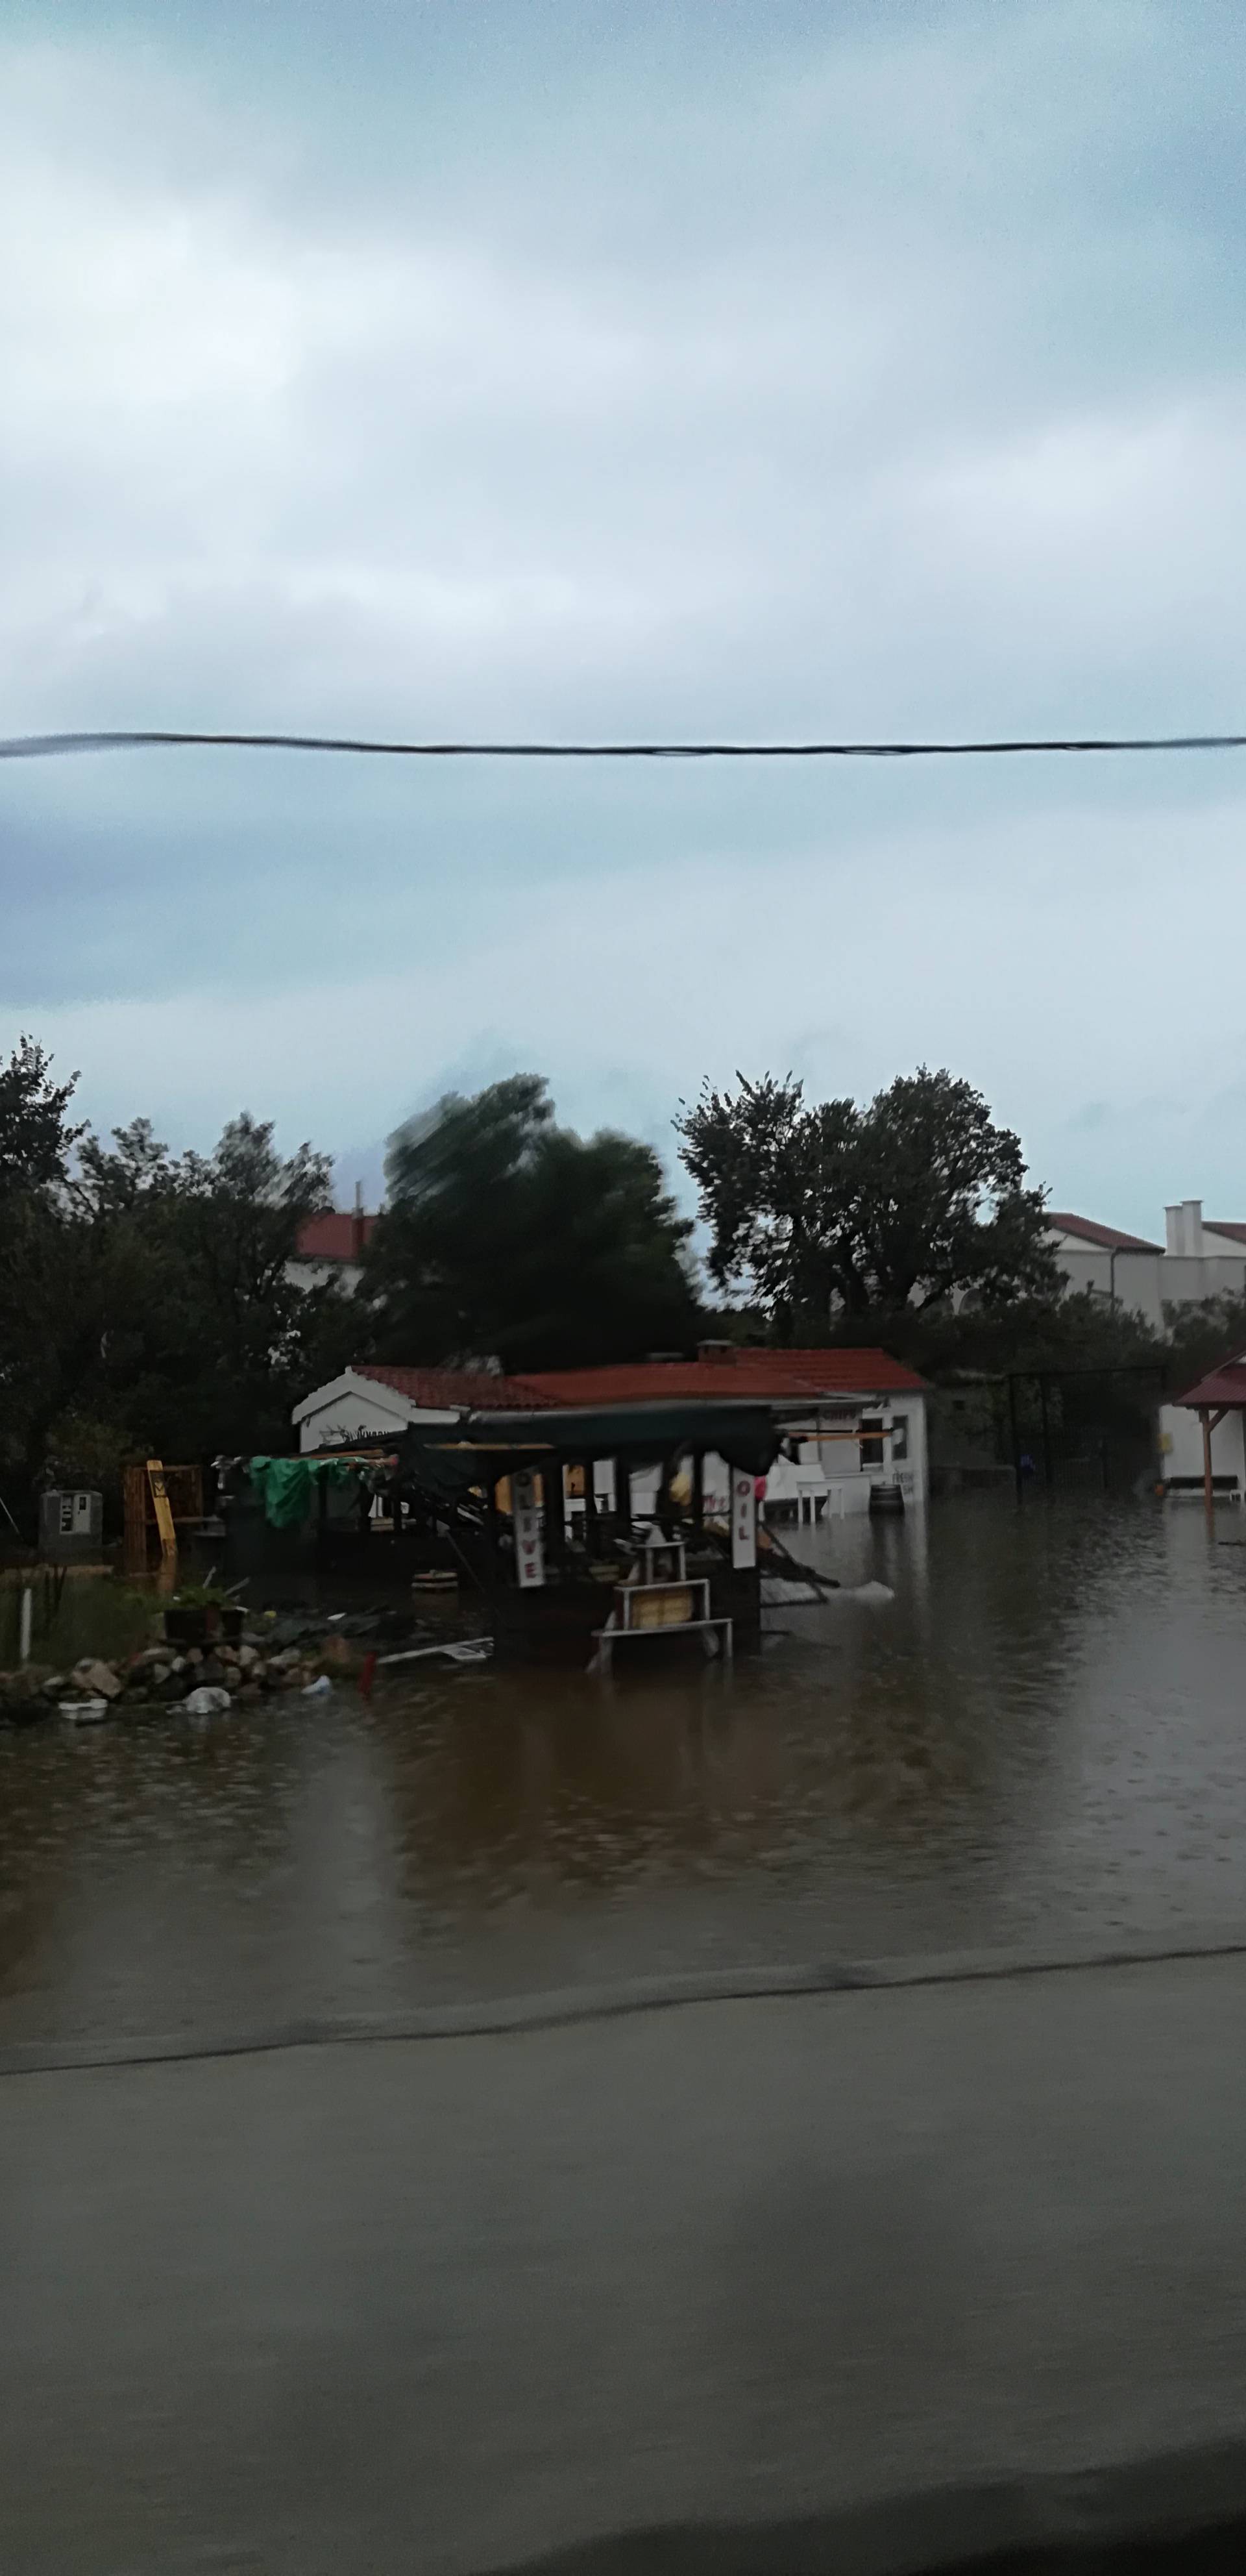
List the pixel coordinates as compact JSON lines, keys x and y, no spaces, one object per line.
{"x":1041,"y":1731}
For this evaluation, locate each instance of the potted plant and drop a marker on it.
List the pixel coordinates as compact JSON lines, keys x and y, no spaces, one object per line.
{"x":200,"y":1614}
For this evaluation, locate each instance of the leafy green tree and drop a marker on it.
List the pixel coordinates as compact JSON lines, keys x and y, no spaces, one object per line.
{"x":145,"y":1299}
{"x":826,"y":1211}
{"x":508,"y":1236}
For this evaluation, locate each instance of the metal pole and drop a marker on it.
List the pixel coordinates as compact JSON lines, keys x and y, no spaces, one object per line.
{"x":1209,"y":1499}
{"x":26,"y":1619}
{"x":1016,"y":1436}
{"x":1042,"y":1406}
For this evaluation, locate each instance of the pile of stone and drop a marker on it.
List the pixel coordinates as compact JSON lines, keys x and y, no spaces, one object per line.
{"x":160,"y":1675}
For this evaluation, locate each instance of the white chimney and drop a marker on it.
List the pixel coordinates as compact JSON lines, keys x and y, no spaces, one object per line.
{"x":1184,"y":1226}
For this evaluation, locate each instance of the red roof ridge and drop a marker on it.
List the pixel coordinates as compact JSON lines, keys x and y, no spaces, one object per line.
{"x":1106,"y":1238}
{"x":472,"y":1390}
{"x":1223,"y":1384}
{"x":743,"y":1372}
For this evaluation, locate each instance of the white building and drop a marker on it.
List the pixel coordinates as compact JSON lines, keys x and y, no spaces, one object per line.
{"x":371,"y":1400}
{"x":853,"y":1418}
{"x":1200,"y":1257}
{"x":331,"y":1247}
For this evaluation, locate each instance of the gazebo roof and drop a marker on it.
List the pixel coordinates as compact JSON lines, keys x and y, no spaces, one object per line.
{"x":1223,"y":1388}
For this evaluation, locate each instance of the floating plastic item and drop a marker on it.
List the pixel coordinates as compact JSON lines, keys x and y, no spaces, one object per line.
{"x":84,"y":1712}
{"x":318,"y":1688}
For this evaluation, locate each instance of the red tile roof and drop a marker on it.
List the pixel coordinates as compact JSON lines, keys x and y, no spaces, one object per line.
{"x":1225,"y":1225}
{"x":442,"y":1390}
{"x":338,"y":1235}
{"x":1225,"y":1384}
{"x":1105,"y":1238}
{"x":772,"y":1376}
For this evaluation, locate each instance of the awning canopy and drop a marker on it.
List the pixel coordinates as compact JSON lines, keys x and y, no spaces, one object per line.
{"x":485,"y":1446}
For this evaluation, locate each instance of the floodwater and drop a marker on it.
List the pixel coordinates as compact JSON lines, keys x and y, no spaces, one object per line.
{"x":1043,"y":1735}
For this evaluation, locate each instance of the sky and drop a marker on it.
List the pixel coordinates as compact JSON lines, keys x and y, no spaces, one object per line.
{"x":698,"y":368}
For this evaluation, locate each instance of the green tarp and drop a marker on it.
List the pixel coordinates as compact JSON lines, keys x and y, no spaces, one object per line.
{"x":288,"y":1486}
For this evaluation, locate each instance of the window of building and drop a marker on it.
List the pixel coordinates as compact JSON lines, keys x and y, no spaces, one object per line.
{"x":871,"y":1437}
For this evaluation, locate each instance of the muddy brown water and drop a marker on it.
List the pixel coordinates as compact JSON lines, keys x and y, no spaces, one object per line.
{"x":1043,"y":1735}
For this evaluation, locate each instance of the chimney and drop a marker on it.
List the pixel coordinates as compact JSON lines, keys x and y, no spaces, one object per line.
{"x":1184,"y":1226}
{"x":358,"y":1231}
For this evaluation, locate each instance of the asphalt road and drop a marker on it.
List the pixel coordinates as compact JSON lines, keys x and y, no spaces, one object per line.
{"x":914,"y":2268}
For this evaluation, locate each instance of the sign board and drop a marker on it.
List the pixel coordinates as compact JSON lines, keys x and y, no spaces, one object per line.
{"x":529,"y":1536}
{"x":743,"y":1520}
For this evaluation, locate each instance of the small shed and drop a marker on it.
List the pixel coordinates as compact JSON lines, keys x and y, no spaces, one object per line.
{"x":1202,"y":1441}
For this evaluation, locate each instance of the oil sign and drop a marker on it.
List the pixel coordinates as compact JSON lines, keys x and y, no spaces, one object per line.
{"x":743,"y":1520}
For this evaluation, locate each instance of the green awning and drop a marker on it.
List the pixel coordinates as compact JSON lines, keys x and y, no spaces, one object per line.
{"x":484,"y":1446}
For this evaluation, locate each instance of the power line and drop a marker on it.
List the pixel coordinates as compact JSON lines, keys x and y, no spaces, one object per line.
{"x":45,"y":746}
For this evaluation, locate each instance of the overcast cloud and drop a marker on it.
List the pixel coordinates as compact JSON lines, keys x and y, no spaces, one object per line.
{"x":662,"y":370}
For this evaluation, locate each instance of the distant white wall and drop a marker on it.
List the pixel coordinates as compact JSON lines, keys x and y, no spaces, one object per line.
{"x":314,"y":1274}
{"x":1181,"y":1445}
{"x":1144,"y":1283}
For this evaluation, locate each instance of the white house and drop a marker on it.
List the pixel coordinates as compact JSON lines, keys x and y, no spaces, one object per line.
{"x":332,"y":1247}
{"x":371,"y":1400}
{"x":854,"y":1418}
{"x":1200,"y":1257}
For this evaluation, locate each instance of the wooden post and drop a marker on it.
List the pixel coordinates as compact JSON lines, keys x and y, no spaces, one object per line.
{"x":555,"y":1500}
{"x":1210,"y":1422}
{"x":1014,"y":1430}
{"x":1042,"y":1406}
{"x":698,"y":1489}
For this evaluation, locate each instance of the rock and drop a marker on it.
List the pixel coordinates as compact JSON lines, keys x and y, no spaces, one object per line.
{"x":57,"y":1685}
{"x":96,"y":1680}
{"x":249,"y":1691}
{"x":160,"y":1673}
{"x":248,"y":1657}
{"x":193,"y":1656}
{"x":337,"y":1655}
{"x":213,"y":1673}
{"x":286,"y":1660}
{"x":26,"y":1681}
{"x":207,"y":1703}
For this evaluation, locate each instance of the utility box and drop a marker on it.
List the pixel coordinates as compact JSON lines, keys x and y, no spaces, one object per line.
{"x":71,"y":1524}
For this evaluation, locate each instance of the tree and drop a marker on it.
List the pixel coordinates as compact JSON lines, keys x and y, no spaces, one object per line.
{"x":215,"y":1341}
{"x":145,"y":1302}
{"x":35,"y":1139}
{"x":509,"y":1236}
{"x":826,"y":1212}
